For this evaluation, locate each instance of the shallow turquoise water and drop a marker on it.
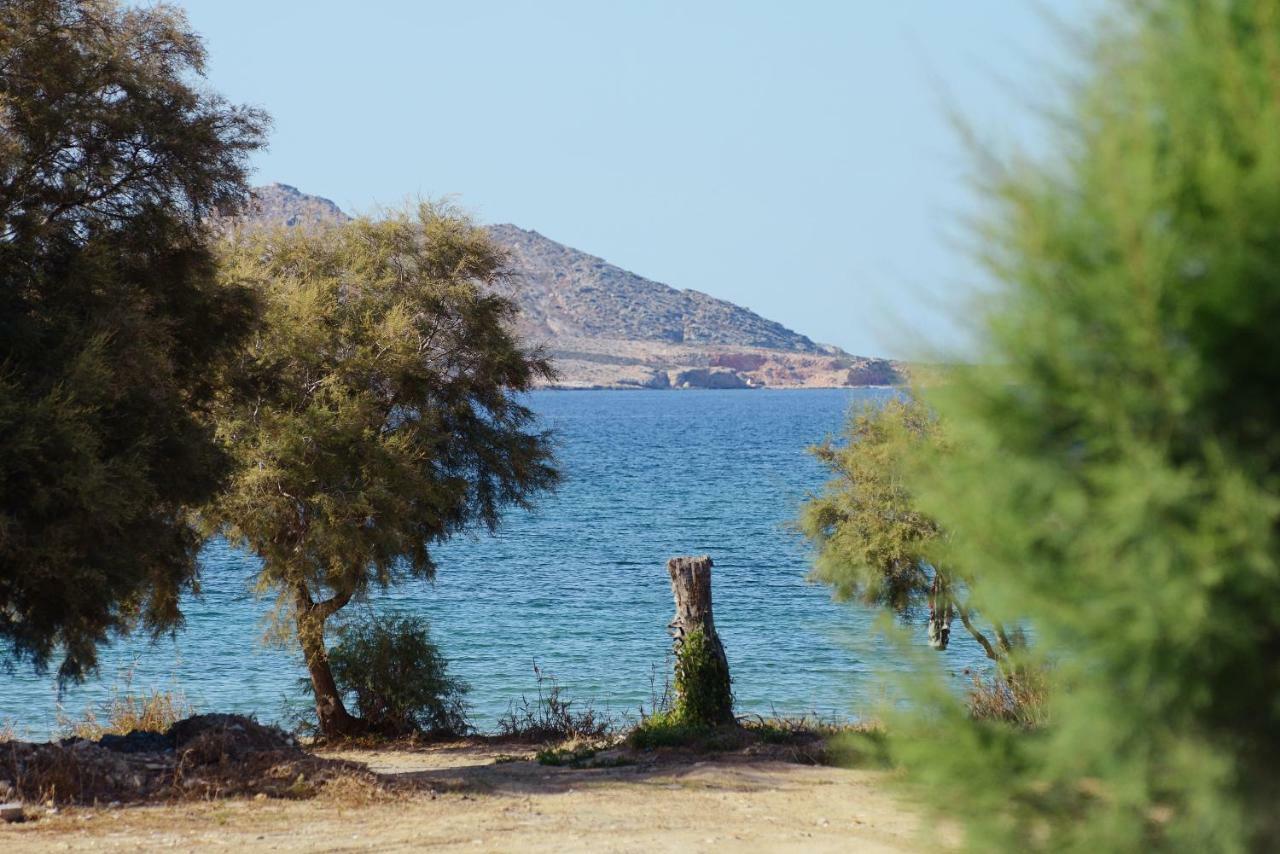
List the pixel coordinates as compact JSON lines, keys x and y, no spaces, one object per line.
{"x":579,"y":585}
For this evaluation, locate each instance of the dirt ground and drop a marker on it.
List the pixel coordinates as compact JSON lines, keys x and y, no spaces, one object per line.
{"x":484,"y":798}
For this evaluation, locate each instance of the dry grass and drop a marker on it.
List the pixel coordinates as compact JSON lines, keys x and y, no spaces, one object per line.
{"x":783,"y":728}
{"x":551,"y":718}
{"x":126,"y":712}
{"x":359,"y":789}
{"x":1020,"y":698}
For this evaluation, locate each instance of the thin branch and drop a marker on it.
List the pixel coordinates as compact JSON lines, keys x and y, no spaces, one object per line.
{"x":1003,"y":639}
{"x":977,"y":635}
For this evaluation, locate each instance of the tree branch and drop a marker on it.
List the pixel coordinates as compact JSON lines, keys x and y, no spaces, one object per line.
{"x":1003,"y":639}
{"x":977,"y":635}
{"x":330,"y":606}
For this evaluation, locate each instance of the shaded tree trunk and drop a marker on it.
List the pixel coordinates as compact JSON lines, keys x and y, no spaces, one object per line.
{"x":940,"y":611}
{"x":334,"y":719}
{"x":703,"y":692}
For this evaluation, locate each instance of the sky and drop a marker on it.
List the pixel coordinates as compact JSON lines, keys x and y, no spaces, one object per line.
{"x":797,"y":158}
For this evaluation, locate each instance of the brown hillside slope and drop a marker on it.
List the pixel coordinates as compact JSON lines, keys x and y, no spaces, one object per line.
{"x":606,"y":327}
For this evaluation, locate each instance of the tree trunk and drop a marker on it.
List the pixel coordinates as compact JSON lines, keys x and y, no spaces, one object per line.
{"x":703,"y":694}
{"x":334,"y":719}
{"x":939,"y":614}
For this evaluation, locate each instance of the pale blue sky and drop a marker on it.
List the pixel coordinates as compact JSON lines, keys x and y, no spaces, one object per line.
{"x":793,"y":157}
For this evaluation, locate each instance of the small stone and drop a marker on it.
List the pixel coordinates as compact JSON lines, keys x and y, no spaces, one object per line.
{"x":12,"y":812}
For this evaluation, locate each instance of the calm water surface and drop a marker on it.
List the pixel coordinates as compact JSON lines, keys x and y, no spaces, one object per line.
{"x":579,"y":585}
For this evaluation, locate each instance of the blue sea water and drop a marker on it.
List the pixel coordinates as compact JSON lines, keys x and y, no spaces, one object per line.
{"x":578,"y":586}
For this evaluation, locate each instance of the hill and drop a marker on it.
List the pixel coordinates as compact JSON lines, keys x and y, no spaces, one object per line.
{"x":607,"y":327}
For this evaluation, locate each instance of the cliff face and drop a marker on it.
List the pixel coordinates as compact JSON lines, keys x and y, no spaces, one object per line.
{"x":607,"y":327}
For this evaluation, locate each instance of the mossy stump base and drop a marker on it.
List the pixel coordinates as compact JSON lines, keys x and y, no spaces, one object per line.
{"x":703,"y":696}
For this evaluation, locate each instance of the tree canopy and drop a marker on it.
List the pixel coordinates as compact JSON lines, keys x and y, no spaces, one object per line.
{"x":1114,"y":474}
{"x":376,"y":412}
{"x":870,"y":535}
{"x":111,"y":159}
{"x":873,"y":540}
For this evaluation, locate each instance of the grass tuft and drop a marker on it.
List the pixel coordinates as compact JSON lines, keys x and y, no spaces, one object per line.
{"x":549,"y":717}
{"x":125,"y":712}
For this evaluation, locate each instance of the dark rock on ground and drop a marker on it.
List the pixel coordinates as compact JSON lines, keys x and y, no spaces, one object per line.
{"x":240,"y":732}
{"x":137,"y":742}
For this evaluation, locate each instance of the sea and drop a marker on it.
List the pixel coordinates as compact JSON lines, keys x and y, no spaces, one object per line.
{"x":575,"y":591}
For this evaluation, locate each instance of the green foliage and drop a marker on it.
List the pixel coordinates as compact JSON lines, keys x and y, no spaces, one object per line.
{"x":699,"y":712}
{"x":703,"y":696}
{"x":580,"y":756}
{"x":873,"y":540}
{"x":558,"y":757}
{"x":398,"y":679}
{"x":111,"y":159}
{"x":375,"y":413}
{"x":667,"y":729}
{"x":870,"y":536}
{"x":1115,"y":473}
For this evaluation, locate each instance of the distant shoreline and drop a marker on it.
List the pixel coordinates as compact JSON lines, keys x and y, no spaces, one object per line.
{"x":704,"y":388}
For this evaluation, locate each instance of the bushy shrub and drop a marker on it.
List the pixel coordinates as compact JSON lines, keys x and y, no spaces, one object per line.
{"x":397,"y":680}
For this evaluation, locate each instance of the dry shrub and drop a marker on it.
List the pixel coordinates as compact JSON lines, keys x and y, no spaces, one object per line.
{"x":212,"y":756}
{"x":1019,"y":697}
{"x":549,"y":717}
{"x":50,"y":773}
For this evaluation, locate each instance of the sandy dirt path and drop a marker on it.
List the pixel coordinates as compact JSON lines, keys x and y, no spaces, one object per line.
{"x":480,"y":799}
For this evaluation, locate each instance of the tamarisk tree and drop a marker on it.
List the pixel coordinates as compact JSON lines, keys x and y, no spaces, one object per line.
{"x":113,"y":157}
{"x":375,"y":413}
{"x":1114,"y":479}
{"x":873,"y":542}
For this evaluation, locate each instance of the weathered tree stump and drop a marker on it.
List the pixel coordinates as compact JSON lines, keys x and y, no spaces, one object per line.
{"x":703,"y":696}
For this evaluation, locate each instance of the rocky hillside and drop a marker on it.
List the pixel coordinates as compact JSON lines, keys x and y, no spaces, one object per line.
{"x":568,"y":293}
{"x":607,"y":327}
{"x":280,"y":204}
